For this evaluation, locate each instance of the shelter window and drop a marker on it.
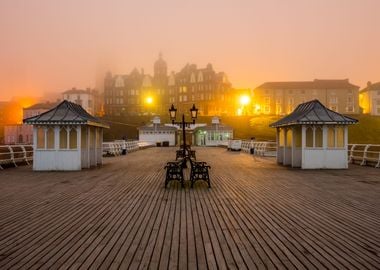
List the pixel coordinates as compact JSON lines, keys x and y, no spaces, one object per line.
{"x":289,"y":137}
{"x":340,"y":137}
{"x":50,"y":138}
{"x":297,"y":137}
{"x":63,"y":138}
{"x":41,"y":138}
{"x":331,"y":137}
{"x":281,"y":135}
{"x":318,"y":137}
{"x":73,"y":138}
{"x":309,"y":137}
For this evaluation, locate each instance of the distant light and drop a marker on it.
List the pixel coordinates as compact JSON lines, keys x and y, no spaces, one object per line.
{"x":244,"y":100}
{"x":149,"y":100}
{"x":240,"y":111}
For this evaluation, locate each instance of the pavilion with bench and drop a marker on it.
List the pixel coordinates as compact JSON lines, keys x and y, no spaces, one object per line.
{"x":66,"y":138}
{"x":313,"y":137}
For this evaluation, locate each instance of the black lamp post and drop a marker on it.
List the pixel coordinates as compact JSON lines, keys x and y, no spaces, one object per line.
{"x":183,"y":123}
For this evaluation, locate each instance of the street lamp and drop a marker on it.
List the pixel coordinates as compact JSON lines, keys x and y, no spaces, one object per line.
{"x":183,"y":123}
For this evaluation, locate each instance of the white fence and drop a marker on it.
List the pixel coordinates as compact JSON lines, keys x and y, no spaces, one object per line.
{"x":267,"y":149}
{"x":116,"y":148}
{"x":14,"y":154}
{"x":364,"y":154}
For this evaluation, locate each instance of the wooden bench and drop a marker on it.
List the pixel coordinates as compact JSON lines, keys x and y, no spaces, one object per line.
{"x":174,"y":171}
{"x":199,"y":171}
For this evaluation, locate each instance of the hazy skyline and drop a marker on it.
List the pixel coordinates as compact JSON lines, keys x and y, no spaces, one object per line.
{"x":51,"y":46}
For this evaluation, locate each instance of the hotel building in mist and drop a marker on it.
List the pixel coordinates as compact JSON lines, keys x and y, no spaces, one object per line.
{"x":280,"y":98}
{"x":140,"y":94}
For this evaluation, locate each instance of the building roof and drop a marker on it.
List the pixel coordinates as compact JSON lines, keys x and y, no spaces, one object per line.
{"x":214,"y":127}
{"x":316,"y":84}
{"x":157,"y":128}
{"x":77,"y":91}
{"x":65,"y":112}
{"x":313,"y":112}
{"x":43,"y":106}
{"x":371,"y":87}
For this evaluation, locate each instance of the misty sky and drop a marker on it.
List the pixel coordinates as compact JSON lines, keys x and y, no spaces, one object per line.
{"x":53,"y":45}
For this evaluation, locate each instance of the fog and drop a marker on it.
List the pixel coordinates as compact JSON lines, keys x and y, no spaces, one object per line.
{"x":51,"y":45}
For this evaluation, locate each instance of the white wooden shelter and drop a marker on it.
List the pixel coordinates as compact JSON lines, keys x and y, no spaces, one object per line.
{"x":66,"y":138}
{"x":214,"y":134}
{"x":157,"y":133}
{"x":313,"y":137}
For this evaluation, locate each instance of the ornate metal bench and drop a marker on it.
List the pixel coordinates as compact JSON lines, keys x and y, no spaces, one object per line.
{"x":199,"y":171}
{"x":174,"y":171}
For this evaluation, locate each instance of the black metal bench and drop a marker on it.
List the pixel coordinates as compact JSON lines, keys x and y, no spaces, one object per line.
{"x":174,"y":171}
{"x":199,"y":171}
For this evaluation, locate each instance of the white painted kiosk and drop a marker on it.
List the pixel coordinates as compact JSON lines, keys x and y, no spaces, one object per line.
{"x":313,"y":137}
{"x":66,"y":138}
{"x":214,"y":134}
{"x":157,"y":133}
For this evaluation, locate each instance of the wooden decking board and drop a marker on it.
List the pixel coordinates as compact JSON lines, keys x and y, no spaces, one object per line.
{"x":53,"y":233}
{"x":335,"y":236}
{"x":337,"y":255}
{"x":86,"y":249}
{"x":256,"y":215}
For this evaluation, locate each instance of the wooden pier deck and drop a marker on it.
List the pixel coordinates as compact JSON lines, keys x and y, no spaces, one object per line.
{"x":257,"y":215}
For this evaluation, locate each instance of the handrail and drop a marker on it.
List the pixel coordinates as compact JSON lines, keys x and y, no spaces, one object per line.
{"x":260,"y":148}
{"x":117,"y":147}
{"x":366,"y":154}
{"x":15,"y":154}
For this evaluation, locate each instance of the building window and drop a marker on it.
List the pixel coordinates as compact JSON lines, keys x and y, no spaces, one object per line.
{"x":50,"y":138}
{"x":331,"y":137}
{"x":309,"y":137}
{"x":340,"y":137}
{"x":333,"y":108}
{"x":350,"y":108}
{"x":40,"y":138}
{"x":318,"y":137}
{"x":289,"y":138}
{"x":73,"y":138}
{"x":267,"y":100}
{"x":378,"y":92}
{"x":63,"y":138}
{"x":333,"y":99}
{"x":349,"y":99}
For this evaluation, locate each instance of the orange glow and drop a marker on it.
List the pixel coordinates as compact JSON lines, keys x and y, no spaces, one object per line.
{"x":244,"y":100}
{"x":149,"y":100}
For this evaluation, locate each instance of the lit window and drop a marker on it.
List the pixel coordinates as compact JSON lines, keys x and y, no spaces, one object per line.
{"x":50,"y":138}
{"x":318,"y":137}
{"x":331,"y":137}
{"x":289,"y":138}
{"x":73,"y":138}
{"x":309,"y":137}
{"x":63,"y":138}
{"x":40,"y":138}
{"x":340,"y":137}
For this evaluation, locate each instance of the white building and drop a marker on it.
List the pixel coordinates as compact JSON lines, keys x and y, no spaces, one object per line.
{"x":157,"y":133}
{"x":66,"y":138}
{"x":88,"y":99}
{"x":313,"y":137}
{"x":369,"y":99}
{"x":21,"y":133}
{"x":213,"y":135}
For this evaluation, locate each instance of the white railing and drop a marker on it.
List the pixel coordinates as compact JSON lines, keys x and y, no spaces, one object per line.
{"x":268,"y":149}
{"x":364,"y":154}
{"x":14,"y":154}
{"x":116,"y":148}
